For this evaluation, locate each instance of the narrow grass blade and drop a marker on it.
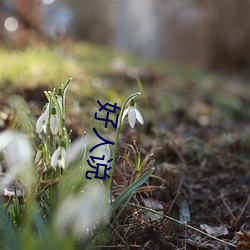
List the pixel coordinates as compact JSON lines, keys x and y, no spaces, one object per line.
{"x":122,"y":209}
{"x":128,"y":191}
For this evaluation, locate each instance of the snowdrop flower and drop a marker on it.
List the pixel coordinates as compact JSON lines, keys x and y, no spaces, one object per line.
{"x":39,"y":154}
{"x":133,"y":114}
{"x":78,"y":150}
{"x":42,"y":122}
{"x":79,"y":214}
{"x":59,"y":157}
{"x":17,"y":152}
{"x":54,"y":121}
{"x":59,"y":97}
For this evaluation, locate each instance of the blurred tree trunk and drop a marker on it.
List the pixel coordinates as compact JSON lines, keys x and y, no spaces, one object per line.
{"x":29,"y":14}
{"x":229,"y":35}
{"x":29,"y":17}
{"x":92,"y":20}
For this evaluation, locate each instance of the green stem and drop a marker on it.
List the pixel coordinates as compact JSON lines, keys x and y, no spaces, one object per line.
{"x":110,"y":180}
{"x":65,"y":87}
{"x":54,"y":142}
{"x":47,"y":138}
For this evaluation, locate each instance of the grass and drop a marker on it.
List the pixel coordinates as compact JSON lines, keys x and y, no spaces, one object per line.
{"x":51,"y":64}
{"x":36,"y":65}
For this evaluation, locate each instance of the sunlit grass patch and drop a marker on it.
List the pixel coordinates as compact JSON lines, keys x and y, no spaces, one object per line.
{"x":37,"y":65}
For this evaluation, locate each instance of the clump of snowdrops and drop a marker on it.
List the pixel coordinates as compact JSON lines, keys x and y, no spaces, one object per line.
{"x":51,"y":204}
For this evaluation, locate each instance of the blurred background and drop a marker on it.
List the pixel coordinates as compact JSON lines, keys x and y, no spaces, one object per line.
{"x":211,"y":34}
{"x":193,"y":60}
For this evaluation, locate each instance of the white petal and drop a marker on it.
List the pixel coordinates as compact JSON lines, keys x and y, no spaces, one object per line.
{"x":59,"y":99}
{"x":64,"y":154}
{"x":55,"y":156}
{"x":39,"y":123}
{"x":124,"y":113}
{"x":61,"y":163}
{"x":79,"y":214}
{"x":19,"y":158}
{"x":132,"y":117}
{"x":44,"y":127}
{"x":63,"y":158}
{"x":54,"y":124}
{"x":46,"y":113}
{"x":38,"y":156}
{"x":19,"y":151}
{"x":77,"y":148}
{"x":5,"y":139}
{"x":139,"y":116}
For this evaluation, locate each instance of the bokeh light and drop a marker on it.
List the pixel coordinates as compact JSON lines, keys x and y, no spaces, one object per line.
{"x":58,"y":31}
{"x":48,"y":2}
{"x":11,"y":24}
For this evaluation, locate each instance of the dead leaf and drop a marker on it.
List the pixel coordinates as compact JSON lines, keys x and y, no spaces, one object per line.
{"x":155,"y":205}
{"x":215,"y":231}
{"x":245,"y":236}
{"x":152,"y":204}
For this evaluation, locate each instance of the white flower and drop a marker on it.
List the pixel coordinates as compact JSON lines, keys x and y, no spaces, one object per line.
{"x":39,"y":155}
{"x":59,"y":99}
{"x":54,"y":121}
{"x":78,"y":150}
{"x":79,"y":214}
{"x":42,"y":122}
{"x":133,"y":114}
{"x":59,"y":157}
{"x":17,"y":152}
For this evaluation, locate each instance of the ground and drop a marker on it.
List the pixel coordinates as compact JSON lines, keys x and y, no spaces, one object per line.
{"x":196,"y":135}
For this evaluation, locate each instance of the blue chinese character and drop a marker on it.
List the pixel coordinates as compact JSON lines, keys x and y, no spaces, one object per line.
{"x":100,"y":144}
{"x":107,"y":116}
{"x":106,"y":168}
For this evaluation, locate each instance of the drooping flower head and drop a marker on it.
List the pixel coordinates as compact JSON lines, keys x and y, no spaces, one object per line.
{"x":79,"y":214}
{"x":16,"y":150}
{"x":39,"y":154}
{"x":42,"y":122}
{"x":54,"y":121}
{"x":59,"y":157}
{"x":133,"y":114}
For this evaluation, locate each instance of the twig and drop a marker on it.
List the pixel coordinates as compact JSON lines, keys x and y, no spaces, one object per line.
{"x":117,"y":246}
{"x":227,"y":207}
{"x":48,"y":185}
{"x":175,"y":198}
{"x":184,"y":224}
{"x":239,"y":217}
{"x":185,"y":242}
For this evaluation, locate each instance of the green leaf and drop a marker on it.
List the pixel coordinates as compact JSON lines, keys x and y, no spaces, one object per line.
{"x":128,"y":191}
{"x":39,"y":222}
{"x":65,"y":87}
{"x":10,"y":236}
{"x":138,"y":163}
{"x":122,"y":209}
{"x":185,"y":212}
